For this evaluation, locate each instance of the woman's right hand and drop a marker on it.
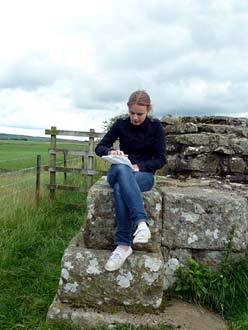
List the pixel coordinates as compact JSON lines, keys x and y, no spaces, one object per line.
{"x":117,"y":152}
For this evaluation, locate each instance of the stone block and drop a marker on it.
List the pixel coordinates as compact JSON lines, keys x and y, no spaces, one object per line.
{"x":200,"y":163}
{"x":138,"y":285}
{"x":237,"y":165}
{"x":100,"y":223}
{"x":173,"y":259}
{"x":240,"y":145}
{"x":203,"y":218}
{"x":213,"y":259}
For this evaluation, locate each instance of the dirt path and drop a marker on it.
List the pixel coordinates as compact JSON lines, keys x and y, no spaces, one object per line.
{"x":192,"y":317}
{"x":182,"y":315}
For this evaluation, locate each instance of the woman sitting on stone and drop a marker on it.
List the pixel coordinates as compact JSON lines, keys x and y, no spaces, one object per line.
{"x":142,"y":140}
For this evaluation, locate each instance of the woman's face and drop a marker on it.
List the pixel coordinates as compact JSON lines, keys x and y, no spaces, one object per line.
{"x":137,"y":113}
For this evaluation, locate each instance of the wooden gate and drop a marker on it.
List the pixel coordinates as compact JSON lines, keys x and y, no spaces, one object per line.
{"x":87,"y":160}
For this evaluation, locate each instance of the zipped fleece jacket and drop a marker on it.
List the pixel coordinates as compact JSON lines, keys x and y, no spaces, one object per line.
{"x":144,"y":144}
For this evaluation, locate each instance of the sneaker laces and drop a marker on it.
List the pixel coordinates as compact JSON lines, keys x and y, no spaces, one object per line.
{"x":138,"y":230}
{"x":116,"y":255}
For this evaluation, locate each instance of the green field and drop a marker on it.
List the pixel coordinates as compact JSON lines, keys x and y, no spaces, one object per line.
{"x":18,"y":167}
{"x":15,"y":155}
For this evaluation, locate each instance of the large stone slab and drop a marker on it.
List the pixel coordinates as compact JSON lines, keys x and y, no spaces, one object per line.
{"x":203,"y":218}
{"x":85,"y":282}
{"x":100,"y":224}
{"x":177,"y":315}
{"x":87,"y":318}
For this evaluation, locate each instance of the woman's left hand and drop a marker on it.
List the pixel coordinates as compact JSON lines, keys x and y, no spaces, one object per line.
{"x":135,"y":167}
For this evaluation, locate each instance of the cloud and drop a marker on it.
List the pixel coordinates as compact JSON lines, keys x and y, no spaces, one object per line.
{"x":68,"y":64}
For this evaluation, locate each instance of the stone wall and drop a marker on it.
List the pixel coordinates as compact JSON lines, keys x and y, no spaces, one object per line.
{"x":207,"y":146}
{"x":189,"y":219}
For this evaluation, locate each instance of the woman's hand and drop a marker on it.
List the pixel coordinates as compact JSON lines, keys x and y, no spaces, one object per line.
{"x":135,"y":167}
{"x":117,"y":152}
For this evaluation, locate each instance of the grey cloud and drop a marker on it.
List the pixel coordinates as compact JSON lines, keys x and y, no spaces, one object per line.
{"x":29,"y":72}
{"x":179,"y":100}
{"x":108,"y":90}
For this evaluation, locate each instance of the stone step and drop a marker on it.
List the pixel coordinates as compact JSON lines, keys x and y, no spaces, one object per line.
{"x":138,"y":285}
{"x":88,"y":318}
{"x":100,"y":224}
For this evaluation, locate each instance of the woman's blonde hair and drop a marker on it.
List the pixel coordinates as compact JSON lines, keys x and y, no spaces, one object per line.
{"x":140,"y":97}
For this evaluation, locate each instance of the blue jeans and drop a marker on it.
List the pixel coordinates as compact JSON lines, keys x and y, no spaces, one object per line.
{"x":129,"y":209}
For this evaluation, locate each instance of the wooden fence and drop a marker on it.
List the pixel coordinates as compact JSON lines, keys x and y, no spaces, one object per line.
{"x":87,"y":160}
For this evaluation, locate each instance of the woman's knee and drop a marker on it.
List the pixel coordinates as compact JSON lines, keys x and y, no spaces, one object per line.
{"x":120,"y":170}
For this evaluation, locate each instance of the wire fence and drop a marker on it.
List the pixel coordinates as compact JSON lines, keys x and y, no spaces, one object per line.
{"x":15,"y":159}
{"x":16,"y":182}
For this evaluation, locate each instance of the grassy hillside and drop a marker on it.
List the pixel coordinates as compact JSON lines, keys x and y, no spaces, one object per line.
{"x":18,"y":154}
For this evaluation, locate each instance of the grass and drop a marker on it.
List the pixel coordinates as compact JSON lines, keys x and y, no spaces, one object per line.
{"x":16,"y":155}
{"x":18,"y":161}
{"x":32,"y":243}
{"x":224,"y":291}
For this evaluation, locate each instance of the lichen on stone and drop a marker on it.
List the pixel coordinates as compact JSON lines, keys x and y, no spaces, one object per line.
{"x":153,"y":264}
{"x":68,"y":265}
{"x":65,"y":273}
{"x":124,"y":279}
{"x":151,"y":278}
{"x":71,"y":287}
{"x":192,"y":238}
{"x":93,"y":267}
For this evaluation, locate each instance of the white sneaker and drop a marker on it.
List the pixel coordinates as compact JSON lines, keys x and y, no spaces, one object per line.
{"x":117,"y":258}
{"x":142,"y":234}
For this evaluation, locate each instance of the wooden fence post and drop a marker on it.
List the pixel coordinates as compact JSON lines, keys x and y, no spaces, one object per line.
{"x":65,"y":165}
{"x":53,"y":163}
{"x":90,"y":158}
{"x":37,"y":190}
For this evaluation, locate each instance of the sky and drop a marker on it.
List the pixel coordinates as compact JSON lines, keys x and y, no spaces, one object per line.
{"x":73,"y":64}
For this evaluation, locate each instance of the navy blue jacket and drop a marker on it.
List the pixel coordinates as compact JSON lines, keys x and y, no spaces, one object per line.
{"x":144,"y":144}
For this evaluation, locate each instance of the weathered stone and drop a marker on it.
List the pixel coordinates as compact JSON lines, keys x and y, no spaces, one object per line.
{"x":213,"y":259}
{"x":219,"y":140}
{"x":224,"y":150}
{"x":85,"y":282}
{"x":80,"y":317}
{"x":242,"y":132}
{"x":201,"y":218}
{"x":182,"y":128}
{"x":201,"y":163}
{"x":173,"y":259}
{"x":219,"y":129}
{"x":170,"y":120}
{"x":240,"y":146}
{"x":189,"y":151}
{"x":100,"y":225}
{"x":215,"y":137}
{"x":237,"y":165}
{"x":193,"y":139}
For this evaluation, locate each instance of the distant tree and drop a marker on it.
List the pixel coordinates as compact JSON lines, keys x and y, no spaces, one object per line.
{"x":109,"y":122}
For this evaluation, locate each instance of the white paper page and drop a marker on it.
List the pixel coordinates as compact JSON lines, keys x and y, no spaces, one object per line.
{"x":117,"y":159}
